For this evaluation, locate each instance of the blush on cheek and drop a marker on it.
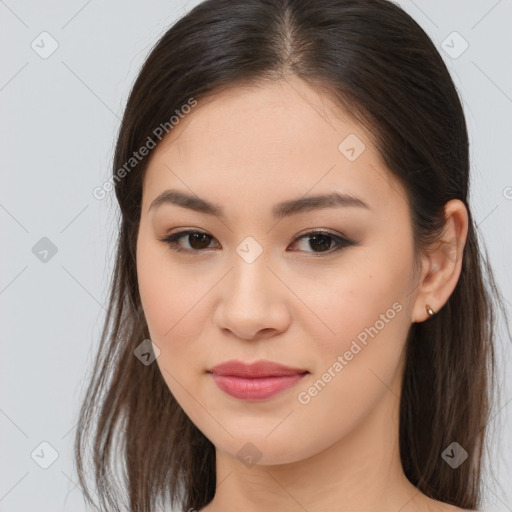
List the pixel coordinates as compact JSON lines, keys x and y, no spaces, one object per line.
{"x":365,"y":328}
{"x":173,"y":320}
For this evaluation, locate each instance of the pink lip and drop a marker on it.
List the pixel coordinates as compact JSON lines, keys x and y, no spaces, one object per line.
{"x":255,"y":381}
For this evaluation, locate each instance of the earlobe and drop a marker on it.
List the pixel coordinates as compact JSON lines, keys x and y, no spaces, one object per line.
{"x":429,"y":309}
{"x":443,"y":264}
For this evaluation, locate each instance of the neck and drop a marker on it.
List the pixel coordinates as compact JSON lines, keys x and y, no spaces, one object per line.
{"x":360,"y":471}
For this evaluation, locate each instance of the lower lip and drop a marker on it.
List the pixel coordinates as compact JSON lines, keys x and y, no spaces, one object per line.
{"x":255,"y":388}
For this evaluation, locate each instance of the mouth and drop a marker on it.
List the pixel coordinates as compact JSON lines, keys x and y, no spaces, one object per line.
{"x":256,"y":381}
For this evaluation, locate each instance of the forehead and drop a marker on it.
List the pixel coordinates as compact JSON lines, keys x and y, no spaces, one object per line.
{"x":269,"y":142}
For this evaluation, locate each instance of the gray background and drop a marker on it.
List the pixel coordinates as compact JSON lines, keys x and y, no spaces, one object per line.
{"x":60,"y":116}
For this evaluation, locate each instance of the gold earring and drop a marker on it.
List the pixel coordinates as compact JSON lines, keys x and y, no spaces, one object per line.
{"x":429,"y":309}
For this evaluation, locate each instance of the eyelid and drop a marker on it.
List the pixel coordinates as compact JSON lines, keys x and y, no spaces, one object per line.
{"x":341,"y":241}
{"x":171,"y":240}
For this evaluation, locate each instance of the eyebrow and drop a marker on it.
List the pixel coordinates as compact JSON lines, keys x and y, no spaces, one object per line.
{"x":279,"y":211}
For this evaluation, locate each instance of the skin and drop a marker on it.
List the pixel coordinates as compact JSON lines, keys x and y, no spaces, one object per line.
{"x":247,"y":149}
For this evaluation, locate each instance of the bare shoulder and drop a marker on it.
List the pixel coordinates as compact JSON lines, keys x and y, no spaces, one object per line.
{"x":432,"y":505}
{"x":446,"y":507}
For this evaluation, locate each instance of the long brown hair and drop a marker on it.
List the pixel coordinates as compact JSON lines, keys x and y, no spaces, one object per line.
{"x":380,"y":66}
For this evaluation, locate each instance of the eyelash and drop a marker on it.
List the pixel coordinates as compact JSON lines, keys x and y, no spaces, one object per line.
{"x":172,"y":242}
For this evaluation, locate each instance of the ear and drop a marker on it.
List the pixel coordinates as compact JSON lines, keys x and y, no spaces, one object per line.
{"x":442,"y":265}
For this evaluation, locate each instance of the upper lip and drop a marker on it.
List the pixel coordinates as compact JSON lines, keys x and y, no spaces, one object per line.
{"x":256,"y":369}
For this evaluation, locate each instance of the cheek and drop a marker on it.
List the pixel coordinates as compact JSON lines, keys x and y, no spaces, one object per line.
{"x":175,"y":301}
{"x":160,"y":287}
{"x":171,"y":308}
{"x":355,"y":365}
{"x":354,"y":302}
{"x":365,"y":321}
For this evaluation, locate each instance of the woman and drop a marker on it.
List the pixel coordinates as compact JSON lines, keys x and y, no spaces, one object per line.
{"x":298,"y":316}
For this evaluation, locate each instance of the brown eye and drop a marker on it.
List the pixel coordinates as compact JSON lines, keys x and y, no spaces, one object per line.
{"x":196,"y":239}
{"x":199,"y":240}
{"x":322,"y":242}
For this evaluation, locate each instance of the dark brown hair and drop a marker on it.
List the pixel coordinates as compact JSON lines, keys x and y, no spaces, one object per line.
{"x":378,"y":64}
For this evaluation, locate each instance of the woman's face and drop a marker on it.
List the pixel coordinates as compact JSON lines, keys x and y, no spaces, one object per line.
{"x":258,"y":285}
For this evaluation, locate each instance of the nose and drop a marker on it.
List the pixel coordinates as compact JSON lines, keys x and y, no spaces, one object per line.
{"x":253,"y":302}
